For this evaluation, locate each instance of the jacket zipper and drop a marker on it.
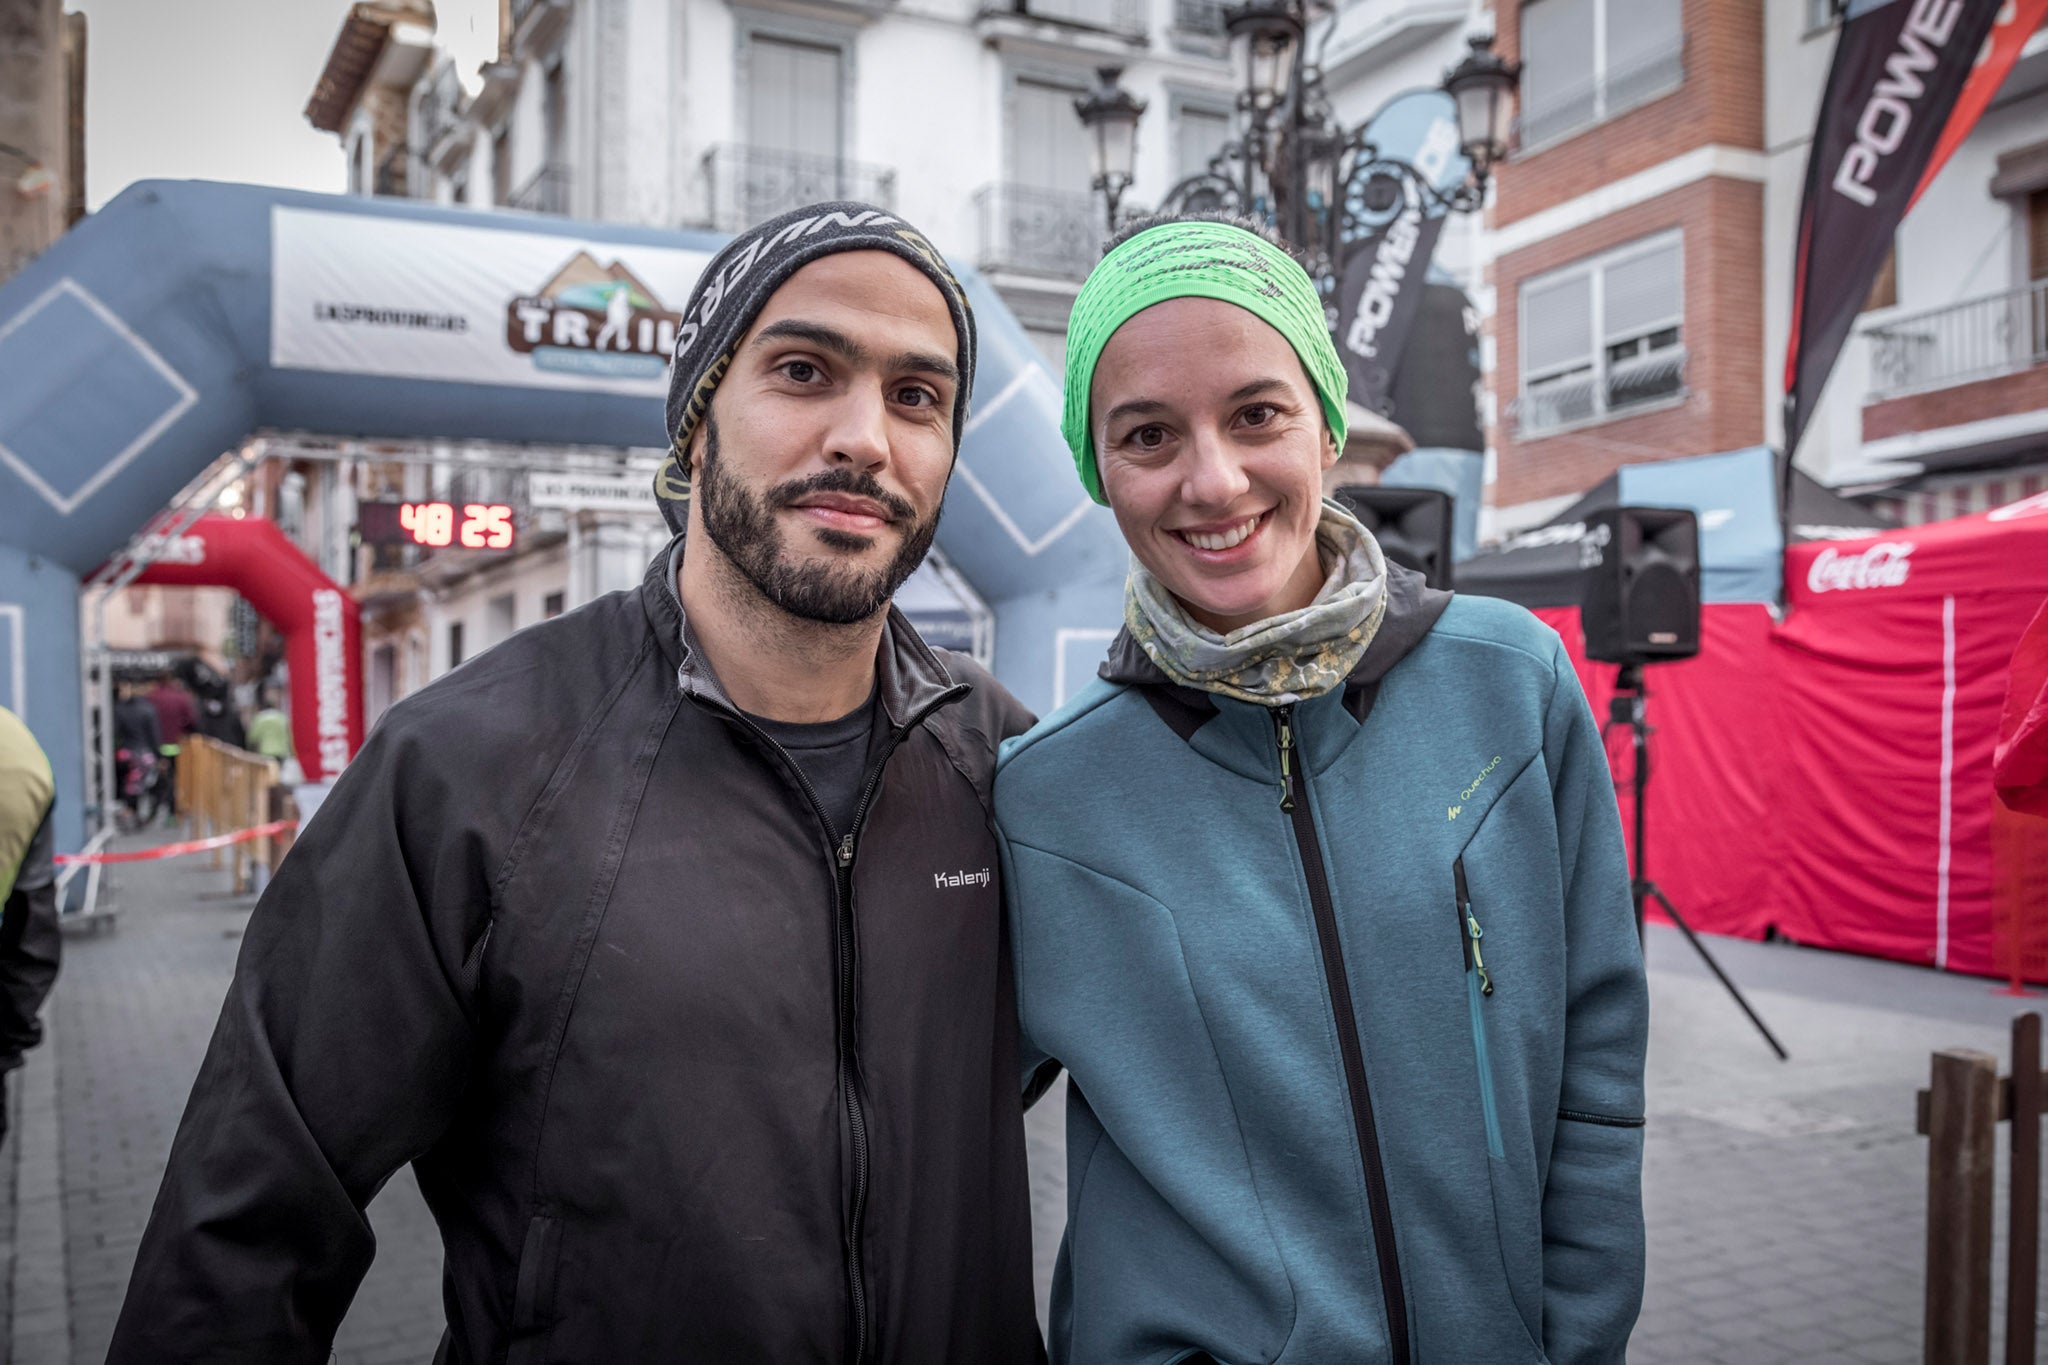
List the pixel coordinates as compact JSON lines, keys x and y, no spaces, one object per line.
{"x":849,"y":1062}
{"x":1478,"y":986}
{"x":1392,"y":1294}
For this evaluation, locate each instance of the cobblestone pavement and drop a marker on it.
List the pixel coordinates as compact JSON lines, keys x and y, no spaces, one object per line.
{"x":1785,"y":1200}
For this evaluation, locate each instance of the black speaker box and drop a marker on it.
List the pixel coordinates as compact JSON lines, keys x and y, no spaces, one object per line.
{"x":1642,"y":593}
{"x":1412,"y":525}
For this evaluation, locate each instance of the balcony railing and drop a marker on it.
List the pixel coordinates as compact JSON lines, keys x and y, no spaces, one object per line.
{"x":1125,"y":17}
{"x":440,"y":107}
{"x":546,"y":192}
{"x":1200,"y":16}
{"x":1976,"y":339}
{"x":1586,"y":396}
{"x":750,"y":184}
{"x":1039,"y":231}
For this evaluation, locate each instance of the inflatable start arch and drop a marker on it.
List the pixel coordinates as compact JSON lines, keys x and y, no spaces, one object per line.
{"x":182,"y":317}
{"x":320,"y":622}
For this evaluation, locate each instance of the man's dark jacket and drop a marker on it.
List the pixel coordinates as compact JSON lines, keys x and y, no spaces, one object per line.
{"x":569,"y":936}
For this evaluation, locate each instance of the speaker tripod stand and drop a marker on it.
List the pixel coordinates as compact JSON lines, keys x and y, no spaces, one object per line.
{"x":1629,"y":707}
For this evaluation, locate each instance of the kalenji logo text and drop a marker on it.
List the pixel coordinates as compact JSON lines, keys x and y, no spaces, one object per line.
{"x":1881,"y":566}
{"x":947,"y":880}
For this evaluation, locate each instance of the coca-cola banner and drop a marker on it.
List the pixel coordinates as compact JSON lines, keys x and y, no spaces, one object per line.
{"x":1891,"y":100}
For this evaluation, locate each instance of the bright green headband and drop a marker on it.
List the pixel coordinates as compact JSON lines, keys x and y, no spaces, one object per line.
{"x":1195,"y":260}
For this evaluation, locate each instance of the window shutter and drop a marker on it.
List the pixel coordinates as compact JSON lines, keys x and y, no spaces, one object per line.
{"x":1644,"y":294}
{"x":1048,"y":145}
{"x":1644,"y":42}
{"x":1557,"y":323}
{"x":1196,"y":139}
{"x":1557,"y":67}
{"x":793,"y":97}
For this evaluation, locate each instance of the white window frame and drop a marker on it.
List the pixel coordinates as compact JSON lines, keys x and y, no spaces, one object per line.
{"x":1604,"y":107}
{"x":1214,"y":104}
{"x":753,"y":25}
{"x":1599,"y":372}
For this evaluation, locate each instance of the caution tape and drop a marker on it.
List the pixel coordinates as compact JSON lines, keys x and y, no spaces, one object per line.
{"x":141,"y":855}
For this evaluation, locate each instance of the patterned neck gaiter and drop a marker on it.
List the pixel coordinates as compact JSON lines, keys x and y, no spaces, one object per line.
{"x":1283,"y":659}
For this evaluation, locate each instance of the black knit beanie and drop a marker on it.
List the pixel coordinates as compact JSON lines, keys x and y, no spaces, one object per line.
{"x":735,"y":287}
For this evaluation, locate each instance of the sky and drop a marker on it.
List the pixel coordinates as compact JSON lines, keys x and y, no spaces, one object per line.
{"x":217,"y":89}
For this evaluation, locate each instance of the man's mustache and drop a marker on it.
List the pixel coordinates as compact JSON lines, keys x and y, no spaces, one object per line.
{"x":861,"y":485}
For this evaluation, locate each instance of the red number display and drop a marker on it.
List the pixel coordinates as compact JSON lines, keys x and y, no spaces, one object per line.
{"x":437,"y":525}
{"x":431,"y":523}
{"x":487,"y":526}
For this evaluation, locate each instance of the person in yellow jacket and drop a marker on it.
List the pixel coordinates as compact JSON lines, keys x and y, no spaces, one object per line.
{"x":29,"y":937}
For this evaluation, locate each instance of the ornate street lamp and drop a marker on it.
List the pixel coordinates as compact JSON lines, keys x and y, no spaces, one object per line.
{"x":1484,"y":87}
{"x":1110,"y":114}
{"x":1270,"y":35}
{"x":1321,"y":186}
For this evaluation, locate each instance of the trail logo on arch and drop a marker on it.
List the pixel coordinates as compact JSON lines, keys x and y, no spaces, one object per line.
{"x":422,"y":298}
{"x":593,"y":319}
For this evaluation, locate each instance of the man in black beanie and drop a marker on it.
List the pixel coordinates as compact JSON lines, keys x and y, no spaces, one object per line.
{"x":662,"y":939}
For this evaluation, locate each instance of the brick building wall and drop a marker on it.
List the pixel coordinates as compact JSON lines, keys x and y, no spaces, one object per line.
{"x":1722,"y":225}
{"x":2005,"y":396}
{"x":1720,"y":103}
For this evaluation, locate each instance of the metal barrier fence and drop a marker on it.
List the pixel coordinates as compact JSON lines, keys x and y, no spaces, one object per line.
{"x":225,"y":789}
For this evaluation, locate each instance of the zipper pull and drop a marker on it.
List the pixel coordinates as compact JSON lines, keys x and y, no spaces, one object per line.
{"x":1476,"y":933}
{"x":1282,"y":720}
{"x":846,"y":851}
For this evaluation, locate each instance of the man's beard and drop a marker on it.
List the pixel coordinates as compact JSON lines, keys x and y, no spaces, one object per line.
{"x":742,"y":525}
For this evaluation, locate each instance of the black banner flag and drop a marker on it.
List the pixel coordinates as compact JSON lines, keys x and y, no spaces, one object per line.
{"x":1898,"y":70}
{"x":1378,"y":297}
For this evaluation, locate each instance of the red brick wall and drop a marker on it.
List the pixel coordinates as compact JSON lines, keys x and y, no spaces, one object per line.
{"x":1722,"y":222}
{"x":2026,"y":391}
{"x":1720,"y":102}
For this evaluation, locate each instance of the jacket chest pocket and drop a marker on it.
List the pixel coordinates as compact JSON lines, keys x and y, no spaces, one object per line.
{"x":1479,"y":989}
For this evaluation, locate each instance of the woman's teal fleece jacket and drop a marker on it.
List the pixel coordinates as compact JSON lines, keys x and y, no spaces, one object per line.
{"x":1357,"y":1053}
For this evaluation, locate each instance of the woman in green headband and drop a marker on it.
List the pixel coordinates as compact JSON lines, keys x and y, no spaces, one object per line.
{"x":1318,"y":895}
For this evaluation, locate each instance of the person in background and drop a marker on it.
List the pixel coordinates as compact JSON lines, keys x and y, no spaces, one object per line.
{"x":30,"y":942}
{"x":176,"y":718}
{"x":2019,"y":764}
{"x":270,"y":730}
{"x":1318,"y":893}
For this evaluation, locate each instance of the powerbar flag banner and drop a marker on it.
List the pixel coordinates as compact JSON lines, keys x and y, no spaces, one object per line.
{"x":1395,"y":224}
{"x":1910,"y":78}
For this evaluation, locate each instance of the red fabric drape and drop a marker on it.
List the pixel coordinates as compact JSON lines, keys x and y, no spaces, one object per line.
{"x":1832,"y":774}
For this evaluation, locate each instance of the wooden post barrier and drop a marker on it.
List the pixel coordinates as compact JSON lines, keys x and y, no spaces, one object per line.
{"x":226,"y":789}
{"x":1960,"y":1114}
{"x":2023,"y":1240}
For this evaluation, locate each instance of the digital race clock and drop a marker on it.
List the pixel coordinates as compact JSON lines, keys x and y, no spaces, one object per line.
{"x":437,"y":525}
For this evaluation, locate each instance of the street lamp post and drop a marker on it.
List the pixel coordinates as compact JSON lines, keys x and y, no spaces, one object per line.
{"x":1110,"y":114}
{"x":1292,"y":164}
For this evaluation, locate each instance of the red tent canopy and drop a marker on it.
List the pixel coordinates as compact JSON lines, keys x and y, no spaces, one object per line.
{"x":1831,"y":774}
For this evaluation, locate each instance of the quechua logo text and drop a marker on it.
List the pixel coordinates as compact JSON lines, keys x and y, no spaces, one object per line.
{"x":595,"y":320}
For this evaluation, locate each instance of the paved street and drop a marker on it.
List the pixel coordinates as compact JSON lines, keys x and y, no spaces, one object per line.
{"x":1785,"y":1200}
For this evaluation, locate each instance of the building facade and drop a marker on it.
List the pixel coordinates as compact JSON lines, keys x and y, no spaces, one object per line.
{"x":1641,"y":254}
{"x":1939,"y":404}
